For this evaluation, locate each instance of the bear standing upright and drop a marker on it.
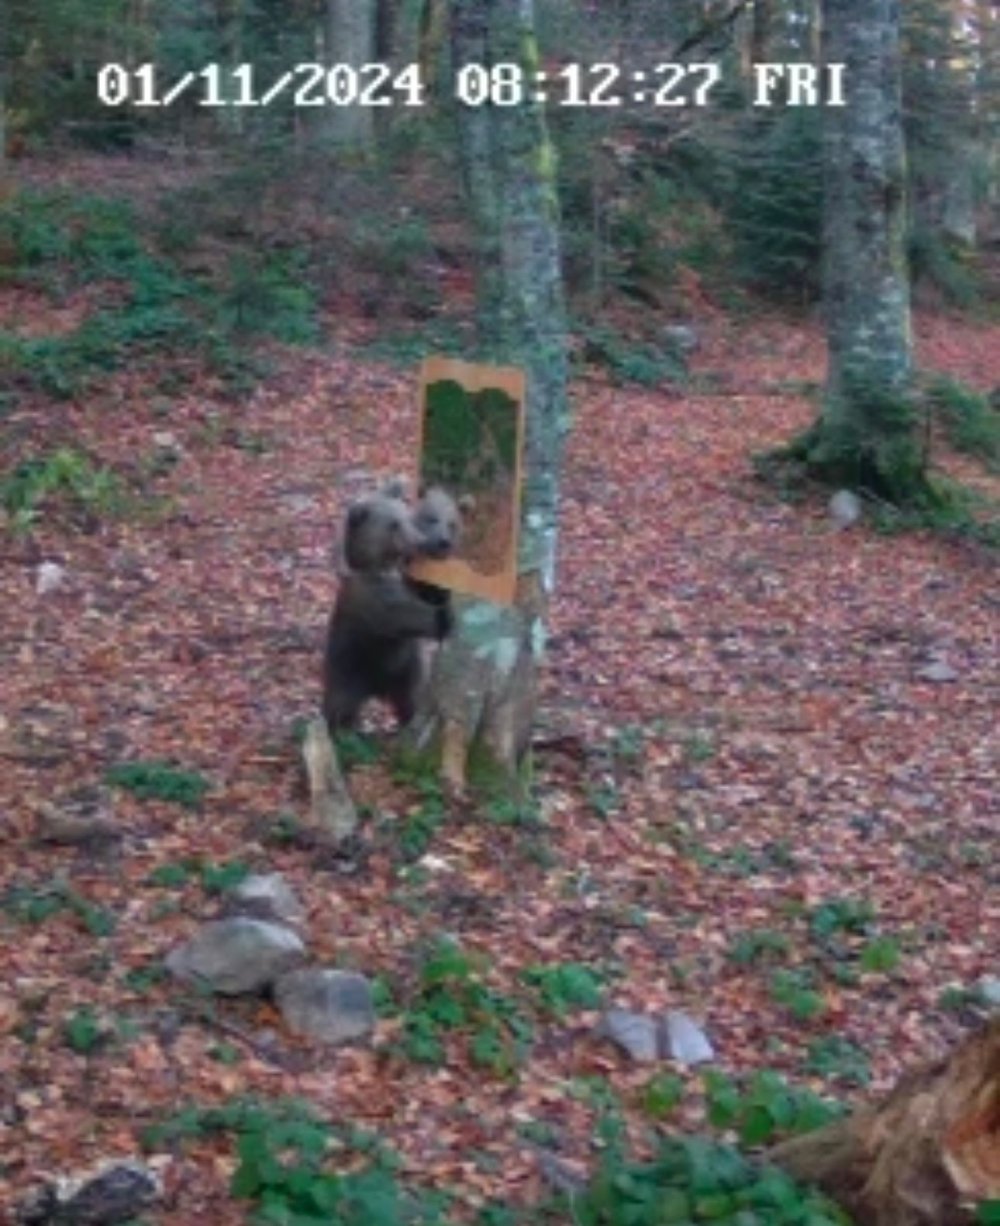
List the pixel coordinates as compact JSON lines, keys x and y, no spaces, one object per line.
{"x":379,"y":619}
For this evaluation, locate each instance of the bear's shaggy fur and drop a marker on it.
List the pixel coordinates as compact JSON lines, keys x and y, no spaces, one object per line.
{"x":373,"y":638}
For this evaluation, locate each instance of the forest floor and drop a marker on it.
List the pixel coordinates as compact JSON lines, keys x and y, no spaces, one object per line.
{"x":736,"y":730}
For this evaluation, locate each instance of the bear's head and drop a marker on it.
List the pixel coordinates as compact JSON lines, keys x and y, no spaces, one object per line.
{"x":438,"y":520}
{"x":380,"y":534}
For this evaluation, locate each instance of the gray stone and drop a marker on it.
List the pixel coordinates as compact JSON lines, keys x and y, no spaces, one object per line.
{"x":845,"y":508}
{"x":634,"y":1033}
{"x":237,"y":955}
{"x":989,"y":989}
{"x":684,"y":1040}
{"x":938,"y":672}
{"x":681,"y":337}
{"x":50,"y":575}
{"x":269,"y":896}
{"x":330,"y":1005}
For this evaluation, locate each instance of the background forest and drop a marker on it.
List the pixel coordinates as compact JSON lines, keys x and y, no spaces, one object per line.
{"x":753,"y":876}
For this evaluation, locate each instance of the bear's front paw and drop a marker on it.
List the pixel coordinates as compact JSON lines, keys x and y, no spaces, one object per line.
{"x":445,"y":621}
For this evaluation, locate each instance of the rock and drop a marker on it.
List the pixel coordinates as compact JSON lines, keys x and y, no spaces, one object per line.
{"x":166,"y":440}
{"x":681,"y":338}
{"x":268,"y":896}
{"x":333,"y":1006}
{"x":299,"y":504}
{"x":237,"y":955}
{"x":117,"y":1192}
{"x":938,"y":672}
{"x":989,"y":989}
{"x":634,"y":1033}
{"x":845,"y":508}
{"x":48,"y":577}
{"x":684,"y":1040}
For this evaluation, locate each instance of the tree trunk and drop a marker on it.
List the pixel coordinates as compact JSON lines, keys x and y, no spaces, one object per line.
{"x":942,"y":51}
{"x":385,"y":31}
{"x":867,"y":436}
{"x":760,"y":31}
{"x":483,"y":683}
{"x":3,"y":120}
{"x":958,"y":206}
{"x":866,"y":291}
{"x":926,"y":1157}
{"x":350,"y":40}
{"x":987,"y":94}
{"x":433,"y":28}
{"x":480,"y":166}
{"x":229,"y":19}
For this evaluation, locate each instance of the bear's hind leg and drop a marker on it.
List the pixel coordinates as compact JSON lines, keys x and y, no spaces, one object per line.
{"x":407,"y":684}
{"x":343,"y":699}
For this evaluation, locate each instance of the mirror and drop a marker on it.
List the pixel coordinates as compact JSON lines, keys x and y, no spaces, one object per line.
{"x":472,"y":435}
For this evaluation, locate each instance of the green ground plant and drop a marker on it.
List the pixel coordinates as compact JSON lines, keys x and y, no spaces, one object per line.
{"x":970,"y":423}
{"x":159,"y":781}
{"x":154,"y":306}
{"x":65,"y":475}
{"x":37,"y":903}
{"x":452,"y":997}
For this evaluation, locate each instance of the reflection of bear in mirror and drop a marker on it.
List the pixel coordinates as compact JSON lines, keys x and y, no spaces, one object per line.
{"x":470,"y":444}
{"x":439,"y":520}
{"x":373,"y":638}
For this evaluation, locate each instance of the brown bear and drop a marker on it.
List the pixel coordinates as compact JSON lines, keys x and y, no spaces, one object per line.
{"x":380,"y":617}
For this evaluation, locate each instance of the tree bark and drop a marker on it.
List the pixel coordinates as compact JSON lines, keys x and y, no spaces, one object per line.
{"x":229,"y":19}
{"x":385,"y":31}
{"x":865,"y":285}
{"x":331,"y":811}
{"x":480,"y":166}
{"x":926,"y":1157}
{"x":867,"y":436}
{"x":760,"y":31}
{"x":350,"y":39}
{"x":942,"y":51}
{"x":482,"y":693}
{"x":430,"y":40}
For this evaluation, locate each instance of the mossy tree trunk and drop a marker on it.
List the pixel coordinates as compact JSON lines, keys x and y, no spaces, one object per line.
{"x":926,"y":1156}
{"x":867,"y":436}
{"x":483,"y":684}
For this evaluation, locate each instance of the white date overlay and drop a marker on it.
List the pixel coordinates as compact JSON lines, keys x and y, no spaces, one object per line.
{"x":502,"y":84}
{"x":302,"y":85}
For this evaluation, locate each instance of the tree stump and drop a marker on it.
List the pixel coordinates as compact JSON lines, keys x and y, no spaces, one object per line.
{"x":926,"y":1156}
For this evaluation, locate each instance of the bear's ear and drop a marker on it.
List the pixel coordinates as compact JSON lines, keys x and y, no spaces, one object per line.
{"x":422,"y":489}
{"x":395,"y":487}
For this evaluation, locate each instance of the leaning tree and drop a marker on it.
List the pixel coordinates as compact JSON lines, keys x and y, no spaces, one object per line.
{"x":482,"y":692}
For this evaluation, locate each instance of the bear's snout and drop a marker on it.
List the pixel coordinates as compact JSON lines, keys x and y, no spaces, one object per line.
{"x":437,"y":546}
